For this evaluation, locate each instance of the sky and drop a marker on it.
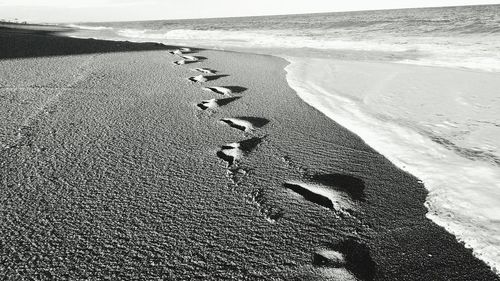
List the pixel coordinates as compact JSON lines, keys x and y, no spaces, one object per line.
{"x":51,"y":11}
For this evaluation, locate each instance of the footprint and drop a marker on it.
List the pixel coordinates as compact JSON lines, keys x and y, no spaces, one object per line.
{"x":351,"y":185}
{"x":245,"y":123}
{"x":202,"y":78}
{"x":350,"y":255}
{"x":271,"y":213}
{"x":236,"y":175}
{"x":233,"y":152}
{"x":205,"y":70}
{"x":230,"y":153}
{"x":322,"y":195}
{"x":331,"y":265}
{"x":213,"y":103}
{"x":180,"y":51}
{"x":193,"y":58}
{"x":226,"y":90}
{"x":180,"y":62}
{"x":176,"y":52}
{"x":219,"y":90}
{"x":198,"y":79}
{"x":333,"y":191}
{"x":312,"y":193}
{"x":206,"y":104}
{"x":188,"y":59}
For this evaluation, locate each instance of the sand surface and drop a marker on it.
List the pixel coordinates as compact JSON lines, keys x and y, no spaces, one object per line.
{"x":109,"y":169}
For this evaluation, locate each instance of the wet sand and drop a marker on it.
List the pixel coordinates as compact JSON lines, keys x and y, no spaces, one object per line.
{"x":111,"y":169}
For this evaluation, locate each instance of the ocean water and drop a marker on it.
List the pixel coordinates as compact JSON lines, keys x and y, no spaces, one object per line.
{"x":421,"y":86}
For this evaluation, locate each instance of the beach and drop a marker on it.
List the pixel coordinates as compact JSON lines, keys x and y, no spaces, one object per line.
{"x":116,"y":165}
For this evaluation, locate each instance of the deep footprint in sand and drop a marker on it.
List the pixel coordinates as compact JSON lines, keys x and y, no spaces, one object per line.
{"x":193,"y":58}
{"x":353,"y":186}
{"x":176,"y":52}
{"x":205,"y":70}
{"x":180,"y":62}
{"x":226,"y":90}
{"x":180,"y":51}
{"x":214,"y":103}
{"x":198,"y":79}
{"x":219,"y":90}
{"x":332,"y":191}
{"x":188,"y":59}
{"x":245,"y":124}
{"x":344,"y":259}
{"x":205,"y":78}
{"x":207,"y":104}
{"x":234,"y":152}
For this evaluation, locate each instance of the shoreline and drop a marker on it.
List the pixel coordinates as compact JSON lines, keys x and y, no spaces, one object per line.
{"x":155,"y":171}
{"x":445,"y":172}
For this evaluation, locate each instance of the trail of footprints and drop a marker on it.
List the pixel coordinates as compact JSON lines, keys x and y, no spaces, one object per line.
{"x":346,"y":260}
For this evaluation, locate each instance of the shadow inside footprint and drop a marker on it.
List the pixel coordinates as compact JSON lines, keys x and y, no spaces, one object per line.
{"x":236,"y":89}
{"x":357,"y":259}
{"x":206,"y":104}
{"x":194,"y":58}
{"x":351,"y":185}
{"x":183,"y":62}
{"x":234,"y":125}
{"x":256,"y":122}
{"x":215,"y":77}
{"x":233,"y":89}
{"x":235,"y":151}
{"x":205,"y":70}
{"x":190,"y":61}
{"x":311,"y":196}
{"x":225,"y":101}
{"x":206,"y":78}
{"x":213,"y":103}
{"x":228,"y":158}
{"x":245,"y":123}
{"x":250,"y":144}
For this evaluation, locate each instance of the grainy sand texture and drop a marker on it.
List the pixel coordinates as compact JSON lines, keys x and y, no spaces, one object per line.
{"x":115,"y":165}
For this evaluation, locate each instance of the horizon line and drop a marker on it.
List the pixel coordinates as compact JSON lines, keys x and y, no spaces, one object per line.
{"x":271,"y":15}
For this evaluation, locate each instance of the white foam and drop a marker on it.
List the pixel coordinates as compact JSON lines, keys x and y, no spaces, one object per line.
{"x":88,"y":27}
{"x":462,"y":52}
{"x":464,"y":195}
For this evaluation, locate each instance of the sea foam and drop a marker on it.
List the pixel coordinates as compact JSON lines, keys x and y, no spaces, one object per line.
{"x":464,"y":194}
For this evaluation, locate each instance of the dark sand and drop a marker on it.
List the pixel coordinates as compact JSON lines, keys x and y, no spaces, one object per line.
{"x":110,"y":170}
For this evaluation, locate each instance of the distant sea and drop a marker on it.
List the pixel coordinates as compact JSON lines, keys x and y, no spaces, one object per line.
{"x":463,"y":127}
